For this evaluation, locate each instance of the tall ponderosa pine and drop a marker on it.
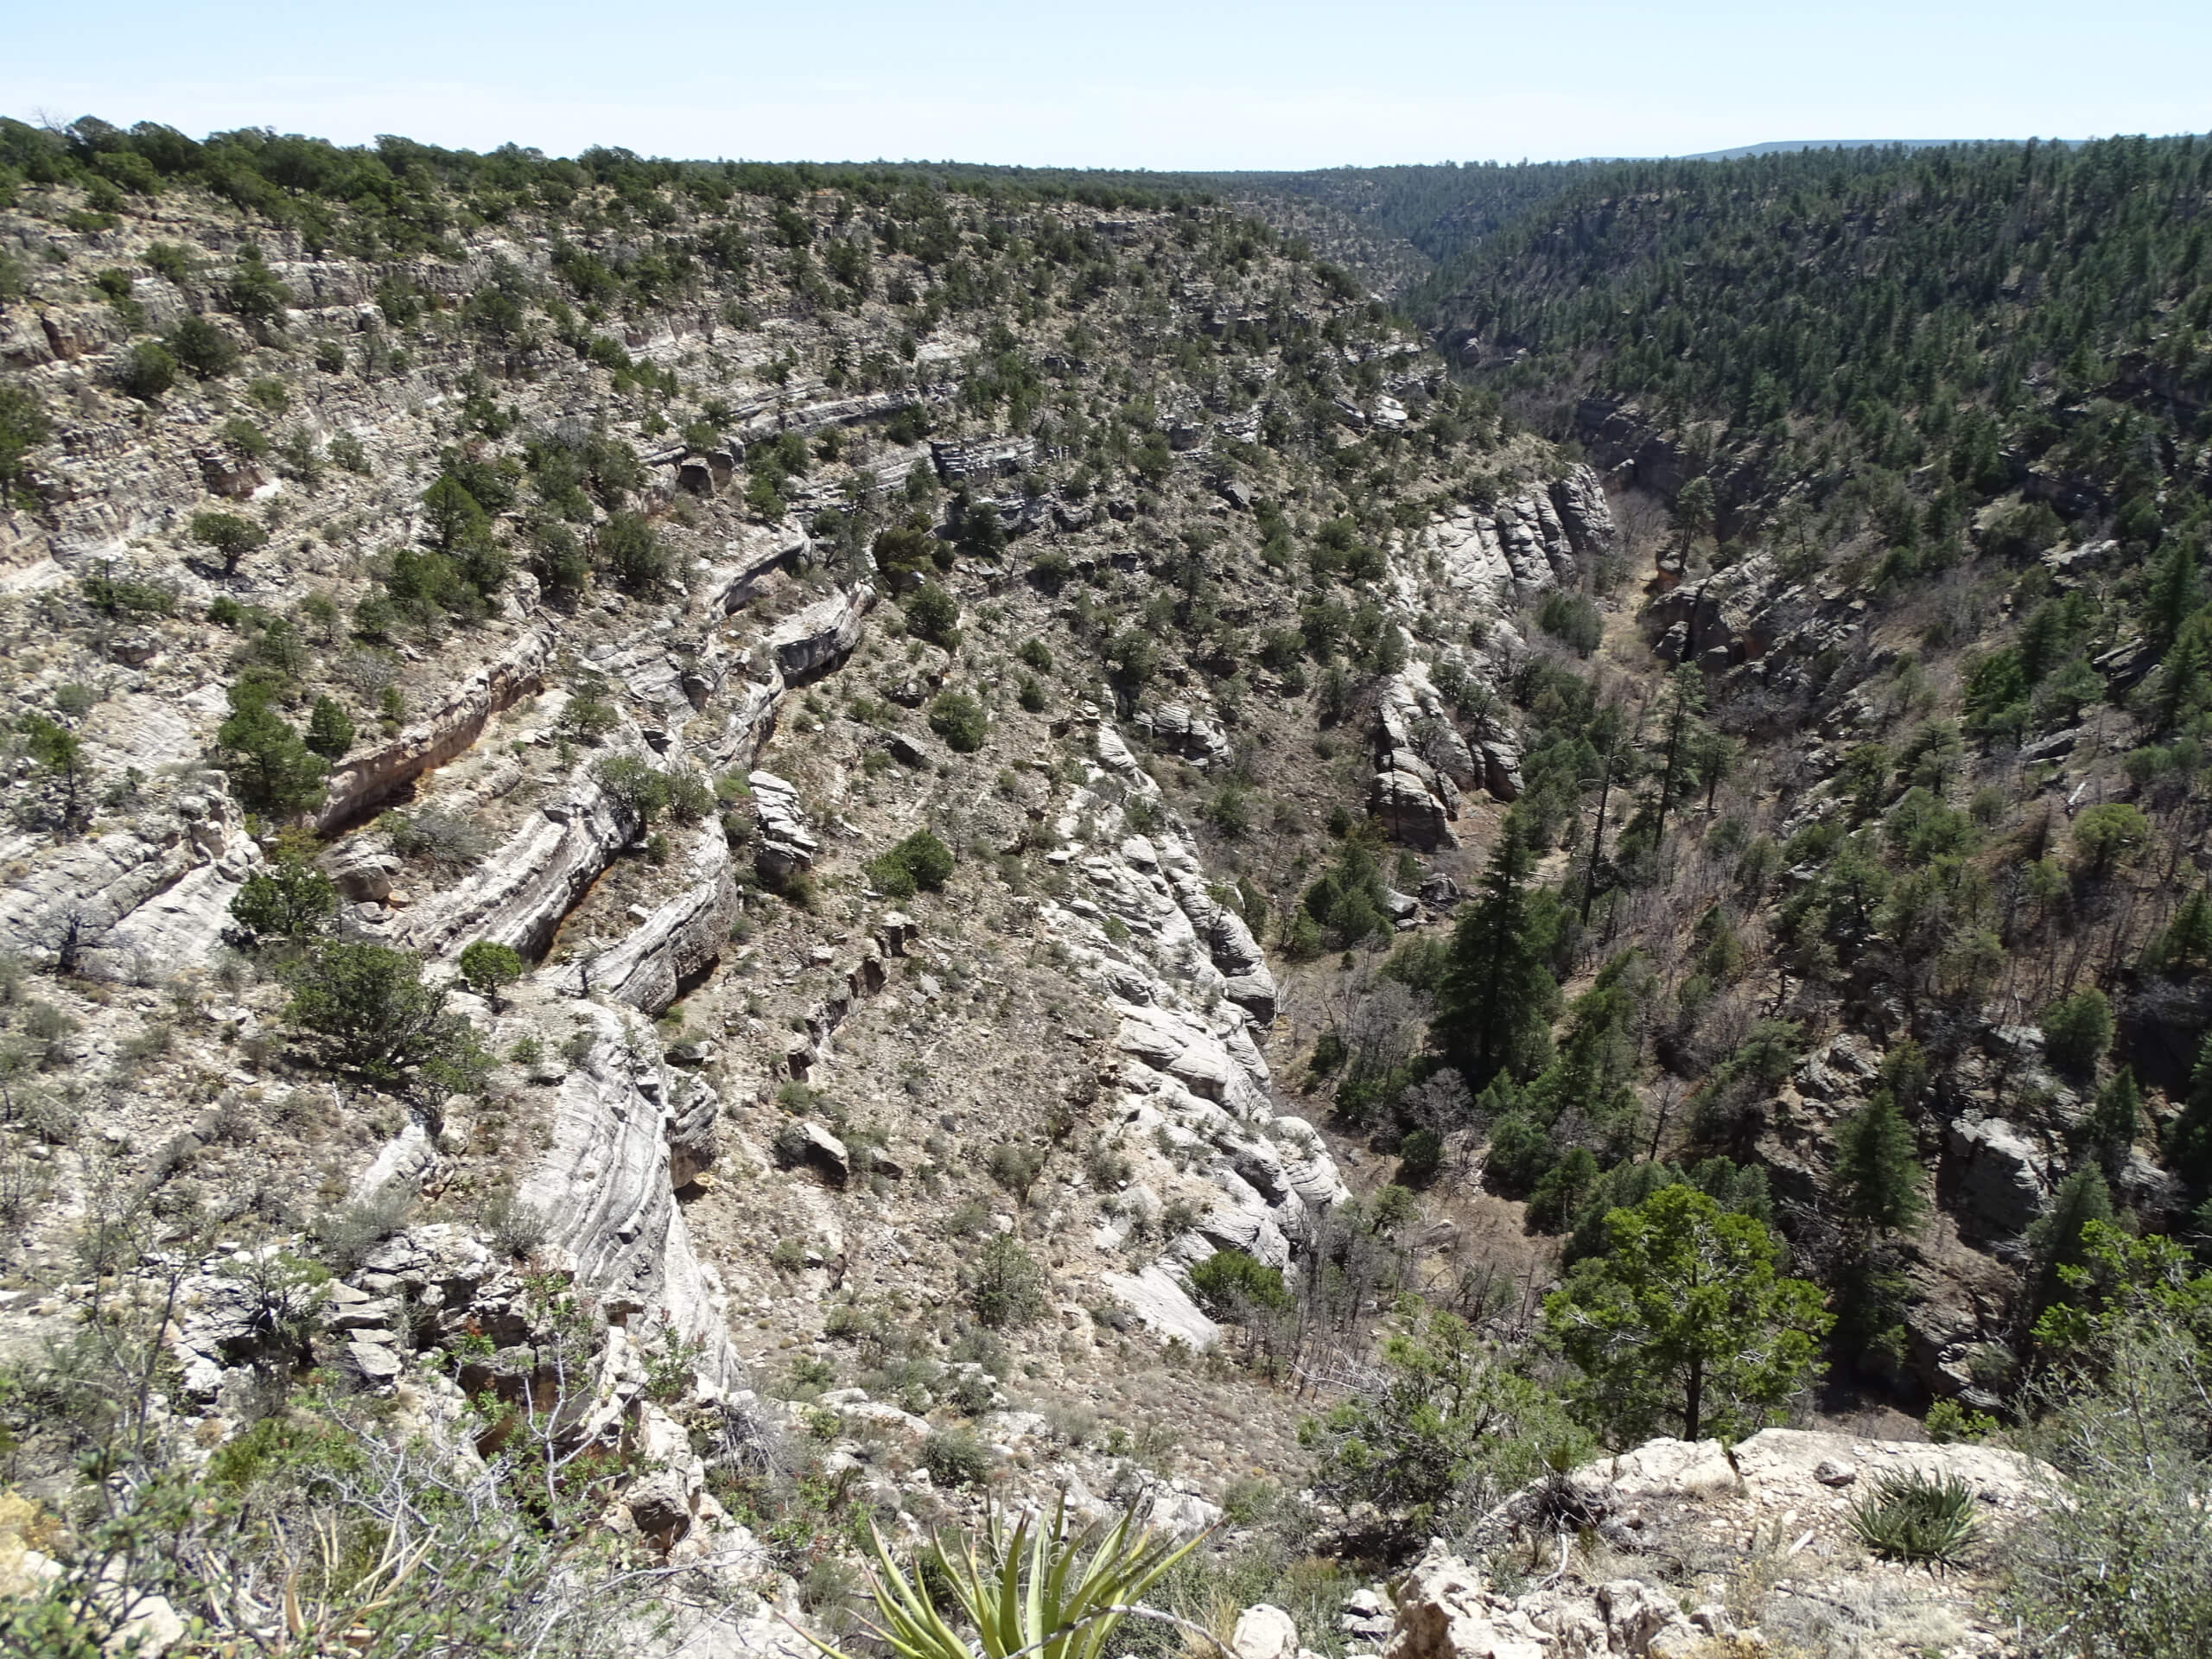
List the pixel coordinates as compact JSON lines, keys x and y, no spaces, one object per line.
{"x":1496,"y":1004}
{"x":2117,"y":1118}
{"x":1876,"y":1179}
{"x":2173,"y":594}
{"x":1684,"y":742}
{"x":2185,"y":947}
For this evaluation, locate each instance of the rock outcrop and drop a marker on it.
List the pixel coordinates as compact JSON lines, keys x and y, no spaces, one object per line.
{"x":810,"y":642}
{"x":360,"y":782}
{"x":786,"y":844}
{"x":519,"y":894}
{"x":1783,"y":1495}
{"x":678,"y":942}
{"x":128,"y":904}
{"x":605,"y":1190}
{"x":1188,"y":986}
{"x":1527,"y":544}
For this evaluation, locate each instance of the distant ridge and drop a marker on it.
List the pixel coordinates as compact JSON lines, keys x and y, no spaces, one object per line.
{"x":1789,"y":145}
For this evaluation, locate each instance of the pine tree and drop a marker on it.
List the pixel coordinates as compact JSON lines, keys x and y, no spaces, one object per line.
{"x":2184,"y":683}
{"x":2185,"y":947}
{"x":330,"y":730}
{"x":2056,"y":1239}
{"x":1686,"y":690}
{"x":1685,"y":1320}
{"x":2173,"y":594}
{"x":1495,"y":1003}
{"x":2119,"y":1114}
{"x":1876,"y":1181}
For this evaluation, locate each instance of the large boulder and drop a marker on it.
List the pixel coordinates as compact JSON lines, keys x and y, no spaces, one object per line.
{"x":786,"y":844}
{"x":810,"y":642}
{"x":2002,"y":1179}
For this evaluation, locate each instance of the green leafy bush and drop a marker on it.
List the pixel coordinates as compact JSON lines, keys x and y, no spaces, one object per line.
{"x":232,"y":537}
{"x":200,"y":345}
{"x":933,"y":614}
{"x":959,"y":719}
{"x":641,"y":790}
{"x":23,"y":427}
{"x":1007,"y":1286}
{"x":1230,"y":1285}
{"x":489,"y":968}
{"x":270,"y":766}
{"x":330,"y":728}
{"x":380,"y":1017}
{"x":955,"y":1458}
{"x":920,"y":862}
{"x":289,"y":899}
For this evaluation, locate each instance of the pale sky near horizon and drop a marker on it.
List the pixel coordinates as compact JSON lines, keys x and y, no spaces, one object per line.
{"x":1139,"y":83}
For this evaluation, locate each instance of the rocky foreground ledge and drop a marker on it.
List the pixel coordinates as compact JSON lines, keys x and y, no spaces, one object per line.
{"x":1696,"y":1550}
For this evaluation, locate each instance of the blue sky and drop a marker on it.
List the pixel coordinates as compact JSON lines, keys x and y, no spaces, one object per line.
{"x":1129,"y":84}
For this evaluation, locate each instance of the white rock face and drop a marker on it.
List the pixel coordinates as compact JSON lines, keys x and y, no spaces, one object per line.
{"x":1527,"y":544}
{"x":1187,"y":983}
{"x":126,"y":906}
{"x":604,"y":1186}
{"x":812,"y":640}
{"x":522,"y":890}
{"x":787,"y":843}
{"x":730,"y":582}
{"x":679,"y":940}
{"x":1679,"y":1498}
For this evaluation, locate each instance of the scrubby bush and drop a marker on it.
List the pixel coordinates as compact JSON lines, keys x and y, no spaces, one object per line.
{"x":633,"y":555}
{"x":1571,"y":620}
{"x":1230,"y":1285}
{"x":489,"y":968}
{"x":200,"y":345}
{"x":933,"y":614}
{"x":1007,"y":1287}
{"x":444,"y":840}
{"x":959,"y":719}
{"x":271,"y":767}
{"x":920,"y":862}
{"x":380,"y":1017}
{"x":954,"y":1458}
{"x":587,"y":719}
{"x":641,"y":790}
{"x":23,"y":427}
{"x":1421,"y":1155}
{"x":1453,"y":1429}
{"x":232,"y":537}
{"x":289,"y":898}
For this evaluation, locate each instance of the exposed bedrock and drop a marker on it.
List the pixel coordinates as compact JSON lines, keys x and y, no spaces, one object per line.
{"x":1188,"y":986}
{"x":362,"y":781}
{"x":125,"y":905}
{"x":605,"y":1187}
{"x":813,"y":641}
{"x":518,"y":895}
{"x":671,"y":948}
{"x":1543,"y":538}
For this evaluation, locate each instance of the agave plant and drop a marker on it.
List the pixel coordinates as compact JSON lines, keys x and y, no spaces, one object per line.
{"x":1039,"y":1592}
{"x":1915,"y":1517}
